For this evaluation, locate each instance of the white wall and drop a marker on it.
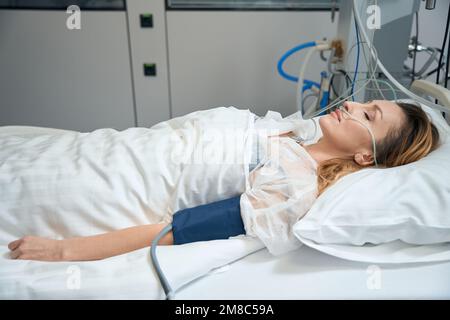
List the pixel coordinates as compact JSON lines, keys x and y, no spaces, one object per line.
{"x":223,"y":58}
{"x":71,"y":79}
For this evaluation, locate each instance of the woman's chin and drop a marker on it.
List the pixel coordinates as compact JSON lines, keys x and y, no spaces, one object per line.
{"x":327,"y":121}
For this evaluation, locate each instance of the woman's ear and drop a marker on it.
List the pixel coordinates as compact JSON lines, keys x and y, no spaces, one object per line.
{"x":363,"y":158}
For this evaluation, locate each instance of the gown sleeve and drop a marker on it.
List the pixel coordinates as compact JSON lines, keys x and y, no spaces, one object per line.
{"x":275,"y":124}
{"x":280,"y":193}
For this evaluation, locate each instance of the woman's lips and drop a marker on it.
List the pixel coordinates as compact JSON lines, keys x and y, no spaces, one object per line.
{"x":336,"y":114}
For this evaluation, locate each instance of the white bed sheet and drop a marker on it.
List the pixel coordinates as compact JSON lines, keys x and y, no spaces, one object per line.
{"x":310,"y":274}
{"x":127,"y":276}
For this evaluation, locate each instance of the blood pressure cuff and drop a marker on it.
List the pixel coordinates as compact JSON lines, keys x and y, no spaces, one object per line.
{"x":212,"y":221}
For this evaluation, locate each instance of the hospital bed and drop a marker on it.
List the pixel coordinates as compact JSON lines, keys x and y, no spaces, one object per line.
{"x":309,"y":274}
{"x":228,"y":269}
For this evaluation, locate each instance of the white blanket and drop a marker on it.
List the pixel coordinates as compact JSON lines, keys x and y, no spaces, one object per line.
{"x":79,"y":184}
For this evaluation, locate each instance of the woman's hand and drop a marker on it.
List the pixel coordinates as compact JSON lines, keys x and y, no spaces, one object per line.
{"x":89,"y":248}
{"x":36,"y":248}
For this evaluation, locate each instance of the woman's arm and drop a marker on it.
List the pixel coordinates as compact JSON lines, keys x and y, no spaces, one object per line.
{"x":88,"y":248}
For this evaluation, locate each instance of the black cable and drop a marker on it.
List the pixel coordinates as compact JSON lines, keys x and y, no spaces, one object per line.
{"x":434,"y":71}
{"x":331,"y":86}
{"x":348,"y":82}
{"x":441,"y":57}
{"x":448,"y":62}
{"x":413,"y":75}
{"x":336,"y":94}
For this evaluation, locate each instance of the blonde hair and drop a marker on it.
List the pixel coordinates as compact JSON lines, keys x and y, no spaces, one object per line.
{"x":416,"y":138}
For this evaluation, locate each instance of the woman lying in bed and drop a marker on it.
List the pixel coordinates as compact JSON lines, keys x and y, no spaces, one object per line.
{"x":281,"y":190}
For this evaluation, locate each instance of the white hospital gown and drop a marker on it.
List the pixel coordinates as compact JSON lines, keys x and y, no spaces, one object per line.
{"x":281,"y":191}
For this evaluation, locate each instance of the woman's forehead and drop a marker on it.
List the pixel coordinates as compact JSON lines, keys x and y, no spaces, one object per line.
{"x":386,"y":104}
{"x":386,"y":107}
{"x":393,"y":115}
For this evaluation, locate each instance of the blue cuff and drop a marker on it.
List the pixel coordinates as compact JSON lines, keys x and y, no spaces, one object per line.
{"x":212,"y":221}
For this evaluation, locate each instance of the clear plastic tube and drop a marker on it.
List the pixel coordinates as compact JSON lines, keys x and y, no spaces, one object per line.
{"x":301,"y":78}
{"x":344,"y":96}
{"x":386,"y":73}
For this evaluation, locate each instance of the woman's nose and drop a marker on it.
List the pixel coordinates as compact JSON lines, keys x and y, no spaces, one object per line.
{"x":346,"y":106}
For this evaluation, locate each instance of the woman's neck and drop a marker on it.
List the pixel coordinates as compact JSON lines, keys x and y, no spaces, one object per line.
{"x":322,"y":151}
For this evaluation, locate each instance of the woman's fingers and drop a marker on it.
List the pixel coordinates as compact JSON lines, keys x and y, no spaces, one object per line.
{"x":20,"y":247}
{"x":13,"y":245}
{"x":36,"y":248}
{"x":15,"y":254}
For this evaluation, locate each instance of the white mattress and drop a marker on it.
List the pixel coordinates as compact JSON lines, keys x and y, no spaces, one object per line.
{"x":310,"y":274}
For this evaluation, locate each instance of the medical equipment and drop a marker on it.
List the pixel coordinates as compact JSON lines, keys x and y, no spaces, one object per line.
{"x":303,"y":84}
{"x":430,"y":4}
{"x":442,"y":54}
{"x":357,"y":60}
{"x":386,"y":72}
{"x":324,"y":93}
{"x":212,"y":221}
{"x":350,"y":13}
{"x":319,"y":90}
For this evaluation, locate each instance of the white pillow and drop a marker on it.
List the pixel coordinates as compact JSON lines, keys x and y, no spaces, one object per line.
{"x":410,"y":204}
